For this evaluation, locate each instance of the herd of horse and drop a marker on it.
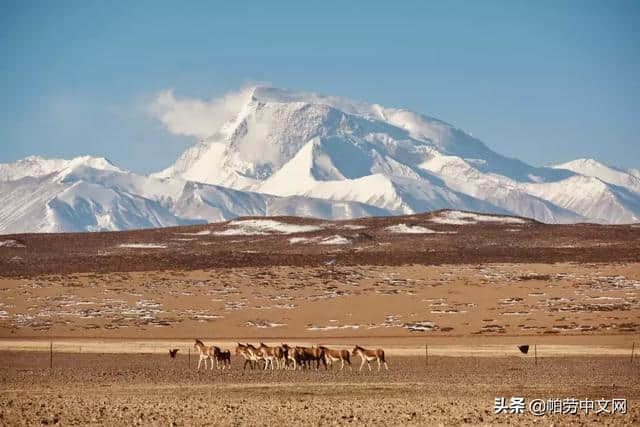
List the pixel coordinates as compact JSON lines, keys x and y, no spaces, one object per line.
{"x":287,"y":357}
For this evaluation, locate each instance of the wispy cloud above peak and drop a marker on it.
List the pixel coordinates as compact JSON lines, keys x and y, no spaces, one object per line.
{"x":196,"y":117}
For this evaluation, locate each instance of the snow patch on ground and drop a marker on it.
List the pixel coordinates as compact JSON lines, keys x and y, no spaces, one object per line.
{"x":252,"y":227}
{"x":335,"y":240}
{"x":295,"y":240}
{"x":422,"y":326}
{"x":143,"y":246}
{"x":199,"y":233}
{"x":11,"y":244}
{"x":331,"y":327}
{"x":464,"y":218}
{"x":353,"y":227}
{"x":409,"y":229}
{"x":262,"y":324}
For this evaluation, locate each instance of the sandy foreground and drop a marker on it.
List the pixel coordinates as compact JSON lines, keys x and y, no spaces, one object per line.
{"x":152,"y":389}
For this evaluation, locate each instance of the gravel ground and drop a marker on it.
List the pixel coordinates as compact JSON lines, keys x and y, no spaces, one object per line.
{"x":116,"y":389}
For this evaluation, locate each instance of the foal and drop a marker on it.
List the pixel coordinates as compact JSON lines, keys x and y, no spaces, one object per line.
{"x":221,"y":356}
{"x":369,"y":356}
{"x":206,"y":353}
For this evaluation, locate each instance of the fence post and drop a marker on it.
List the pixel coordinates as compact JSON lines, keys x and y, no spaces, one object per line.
{"x":426,"y":353}
{"x":189,"y":359}
{"x":51,"y":355}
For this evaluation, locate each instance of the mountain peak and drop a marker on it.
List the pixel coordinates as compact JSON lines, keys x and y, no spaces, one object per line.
{"x":584,"y":162}
{"x":595,"y":169}
{"x":35,"y":166}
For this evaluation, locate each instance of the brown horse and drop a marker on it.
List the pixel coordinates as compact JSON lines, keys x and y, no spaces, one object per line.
{"x":331,"y":355}
{"x":248,"y":352}
{"x":270,"y":355}
{"x":369,"y":356}
{"x":306,"y":355}
{"x":288,"y":355}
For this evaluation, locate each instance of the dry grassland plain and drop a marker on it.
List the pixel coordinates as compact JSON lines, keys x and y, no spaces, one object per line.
{"x":113,"y":304}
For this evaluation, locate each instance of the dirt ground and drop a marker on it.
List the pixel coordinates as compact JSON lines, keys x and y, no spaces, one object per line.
{"x":114,"y":303}
{"x":323,"y":303}
{"x":366,"y":241}
{"x":152,"y":389}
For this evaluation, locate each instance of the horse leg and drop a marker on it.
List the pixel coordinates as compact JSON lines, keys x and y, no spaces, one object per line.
{"x":362,"y":364}
{"x":369,"y":365}
{"x":385,"y":365}
{"x":378,"y":364}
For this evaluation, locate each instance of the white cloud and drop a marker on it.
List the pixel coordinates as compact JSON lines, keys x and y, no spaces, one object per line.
{"x":194,"y":117}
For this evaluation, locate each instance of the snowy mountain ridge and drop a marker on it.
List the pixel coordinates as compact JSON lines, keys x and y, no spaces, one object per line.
{"x":306,"y":154}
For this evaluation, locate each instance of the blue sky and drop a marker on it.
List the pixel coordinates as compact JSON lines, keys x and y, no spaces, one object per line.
{"x":545,"y":81}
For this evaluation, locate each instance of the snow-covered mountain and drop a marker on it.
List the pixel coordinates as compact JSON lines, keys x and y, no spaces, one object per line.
{"x":35,"y":166}
{"x":87,"y":194}
{"x":291,"y":143}
{"x":592,"y":168}
{"x":306,"y":154}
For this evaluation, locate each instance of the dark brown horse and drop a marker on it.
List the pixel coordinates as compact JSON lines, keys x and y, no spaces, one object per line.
{"x":222,"y":357}
{"x":305,"y":356}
